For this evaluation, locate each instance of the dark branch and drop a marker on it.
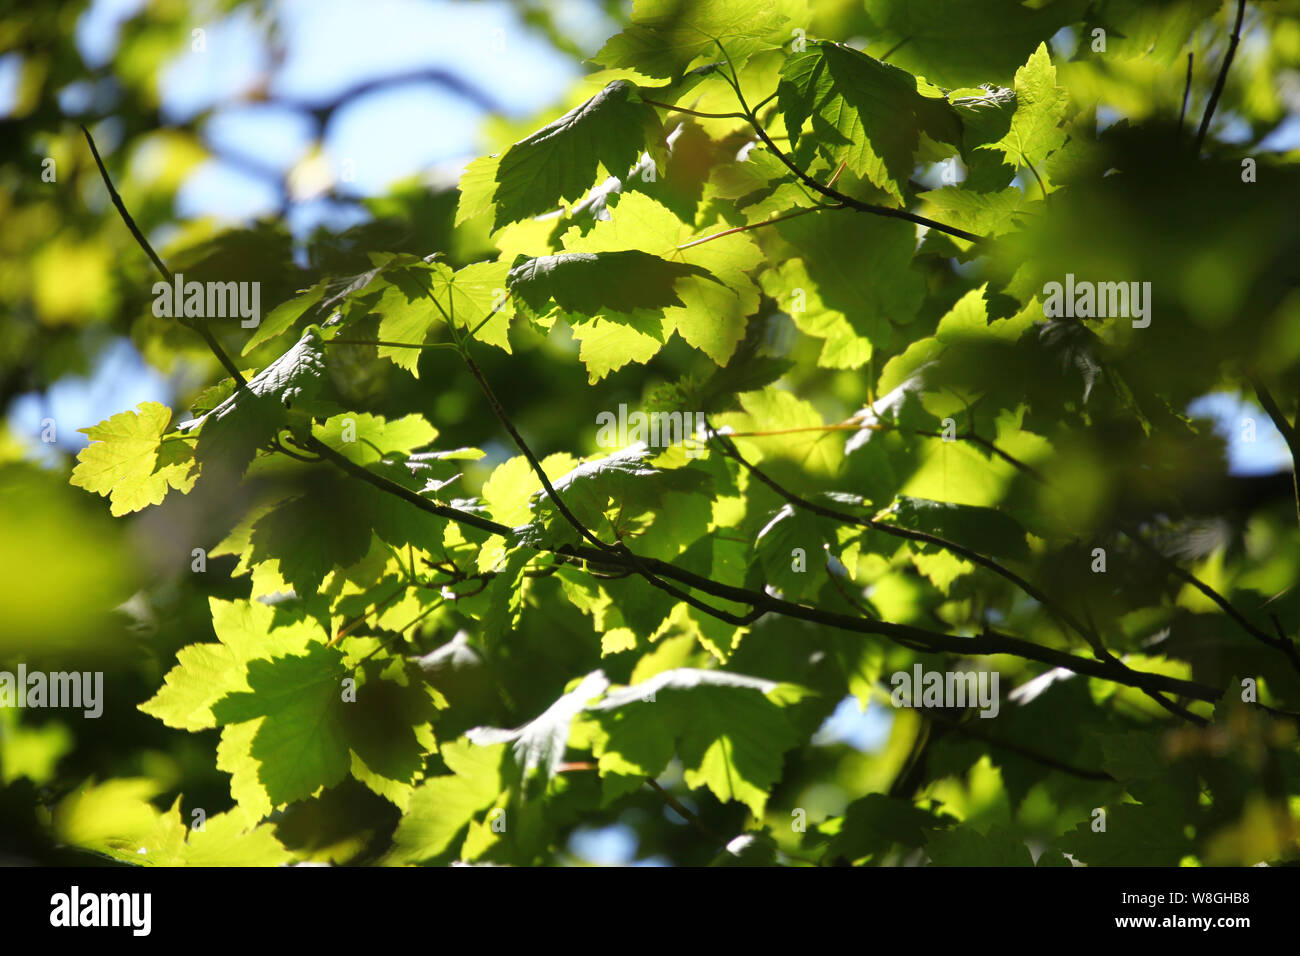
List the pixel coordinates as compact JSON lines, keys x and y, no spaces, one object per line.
{"x":1277,"y":643}
{"x":572,"y":519}
{"x":1089,"y":634}
{"x":1223,"y":76}
{"x":201,"y":326}
{"x":1289,"y":432}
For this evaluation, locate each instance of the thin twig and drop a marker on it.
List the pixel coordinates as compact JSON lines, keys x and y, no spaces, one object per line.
{"x":992,"y":449}
{"x":201,"y":326}
{"x":682,"y":811}
{"x":895,"y":48}
{"x":1223,"y":76}
{"x":1290,"y":433}
{"x":828,"y":191}
{"x":1278,"y":644}
{"x":586,"y":533}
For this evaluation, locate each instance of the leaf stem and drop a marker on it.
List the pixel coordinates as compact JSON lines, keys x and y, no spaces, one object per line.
{"x":699,"y":113}
{"x":755,"y":225}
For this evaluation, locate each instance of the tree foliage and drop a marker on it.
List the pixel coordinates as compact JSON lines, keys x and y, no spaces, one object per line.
{"x":440,"y":623}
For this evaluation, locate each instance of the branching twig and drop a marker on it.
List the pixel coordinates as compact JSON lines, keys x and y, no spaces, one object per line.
{"x":858,"y":204}
{"x":827,"y":191}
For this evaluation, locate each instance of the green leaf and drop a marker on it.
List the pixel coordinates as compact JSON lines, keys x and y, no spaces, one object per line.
{"x":775,"y":544}
{"x":365,"y":438}
{"x":416,"y":299}
{"x":284,"y":316}
{"x":205,"y":673}
{"x":964,"y":846}
{"x":790,"y":285}
{"x":714,"y":307}
{"x":1135,"y":835}
{"x":559,"y":163}
{"x":963,"y":42}
{"x":295,"y":708}
{"x":541,"y":742}
{"x":513,"y":482}
{"x":231,"y":434}
{"x":727,"y":728}
{"x":306,"y":537}
{"x":775,"y":409}
{"x":127,"y":461}
{"x":1155,"y":32}
{"x":627,"y":478}
{"x":667,"y":36}
{"x":865,"y":113}
{"x":986,"y":530}
{"x":299,"y":728}
{"x":1040,"y":110}
{"x":389,"y":728}
{"x":875,"y":823}
{"x":871,"y":289}
{"x":442,"y":807}
{"x":983,"y":213}
{"x":223,"y":841}
{"x":115,"y":818}
{"x":592,"y":283}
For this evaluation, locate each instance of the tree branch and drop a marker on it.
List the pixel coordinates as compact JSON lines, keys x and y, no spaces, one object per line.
{"x":1087,"y":633}
{"x":1187,"y":93}
{"x":653,"y":569}
{"x":988,"y":643}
